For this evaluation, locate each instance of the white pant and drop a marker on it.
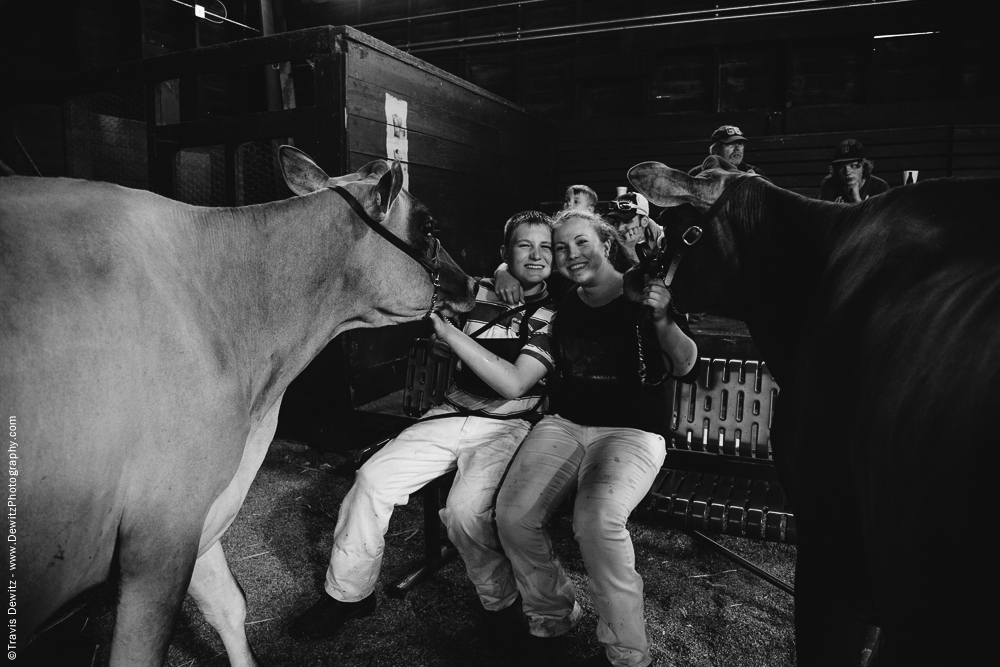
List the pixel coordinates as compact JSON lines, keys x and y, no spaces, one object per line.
{"x":612,"y":470}
{"x":481,"y":449}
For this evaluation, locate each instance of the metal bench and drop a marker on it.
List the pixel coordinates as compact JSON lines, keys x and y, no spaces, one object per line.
{"x":718,"y":476}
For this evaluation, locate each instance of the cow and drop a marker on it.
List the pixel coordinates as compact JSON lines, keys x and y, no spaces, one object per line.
{"x":145,"y":346}
{"x":881,"y":323}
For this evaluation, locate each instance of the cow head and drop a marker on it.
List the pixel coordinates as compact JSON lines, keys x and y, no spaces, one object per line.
{"x":401,"y":285}
{"x":707,"y":277}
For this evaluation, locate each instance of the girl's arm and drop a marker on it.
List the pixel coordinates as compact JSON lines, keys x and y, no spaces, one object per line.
{"x":677,"y":346}
{"x":507,"y":379}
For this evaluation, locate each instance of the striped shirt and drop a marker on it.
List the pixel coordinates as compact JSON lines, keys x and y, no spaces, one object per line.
{"x":468,"y":392}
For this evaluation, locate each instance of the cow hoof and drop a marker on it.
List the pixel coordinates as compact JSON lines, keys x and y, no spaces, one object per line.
{"x":324,"y":619}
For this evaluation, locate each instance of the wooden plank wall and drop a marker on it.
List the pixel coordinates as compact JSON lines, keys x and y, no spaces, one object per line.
{"x":474,"y":158}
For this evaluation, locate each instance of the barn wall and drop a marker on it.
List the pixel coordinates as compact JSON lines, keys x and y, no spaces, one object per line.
{"x":797,"y":73}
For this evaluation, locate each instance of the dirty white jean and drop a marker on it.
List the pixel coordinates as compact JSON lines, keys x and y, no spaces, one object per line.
{"x":612,"y":469}
{"x":480,"y":448}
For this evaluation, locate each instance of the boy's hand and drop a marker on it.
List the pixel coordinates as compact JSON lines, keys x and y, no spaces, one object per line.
{"x":508,"y":288}
{"x":656,"y":296}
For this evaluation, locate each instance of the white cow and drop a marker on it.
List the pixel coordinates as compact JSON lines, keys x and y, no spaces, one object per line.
{"x":145,"y":346}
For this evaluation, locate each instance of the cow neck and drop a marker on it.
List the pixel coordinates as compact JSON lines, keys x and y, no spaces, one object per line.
{"x":781,"y":260}
{"x":283,"y":305}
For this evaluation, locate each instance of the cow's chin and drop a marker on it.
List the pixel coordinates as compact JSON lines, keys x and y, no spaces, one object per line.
{"x":451,"y":308}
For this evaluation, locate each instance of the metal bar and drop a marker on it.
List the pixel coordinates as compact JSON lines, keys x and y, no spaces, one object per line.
{"x":739,"y":560}
{"x":447,"y":13}
{"x":208,"y":13}
{"x":460,"y":43}
{"x":694,"y":12}
{"x":424,"y":570}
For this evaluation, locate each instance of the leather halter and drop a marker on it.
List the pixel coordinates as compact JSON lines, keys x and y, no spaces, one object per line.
{"x":431,"y":266}
{"x":690,"y":236}
{"x":693,"y":233}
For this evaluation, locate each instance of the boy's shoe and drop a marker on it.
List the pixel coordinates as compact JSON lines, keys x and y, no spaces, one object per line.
{"x":324,"y":619}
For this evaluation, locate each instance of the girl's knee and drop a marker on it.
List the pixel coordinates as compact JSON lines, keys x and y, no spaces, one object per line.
{"x":592,"y":521}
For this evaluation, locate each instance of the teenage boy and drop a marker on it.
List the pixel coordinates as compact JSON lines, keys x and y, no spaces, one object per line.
{"x":475,"y":430}
{"x":629,"y":215}
{"x":850,"y":179}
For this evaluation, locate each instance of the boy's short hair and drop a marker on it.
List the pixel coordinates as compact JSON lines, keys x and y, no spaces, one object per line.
{"x":581,"y":189}
{"x":521,"y":219}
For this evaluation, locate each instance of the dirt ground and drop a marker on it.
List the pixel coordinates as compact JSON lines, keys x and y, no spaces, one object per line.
{"x":701,"y":610}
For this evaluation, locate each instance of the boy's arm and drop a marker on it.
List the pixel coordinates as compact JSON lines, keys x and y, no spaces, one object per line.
{"x":507,"y":379}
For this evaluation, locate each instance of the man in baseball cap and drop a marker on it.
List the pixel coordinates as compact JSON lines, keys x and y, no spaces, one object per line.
{"x":850,"y":179}
{"x":729,"y":143}
{"x":629,"y":214}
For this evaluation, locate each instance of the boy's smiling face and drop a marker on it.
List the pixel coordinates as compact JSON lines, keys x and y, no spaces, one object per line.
{"x":529,"y":255}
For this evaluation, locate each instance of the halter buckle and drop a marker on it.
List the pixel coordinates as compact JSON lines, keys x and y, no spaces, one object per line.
{"x":691,"y":236}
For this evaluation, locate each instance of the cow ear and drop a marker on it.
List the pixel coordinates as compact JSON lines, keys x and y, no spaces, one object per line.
{"x":374,"y":168}
{"x":668,"y":187}
{"x":388,"y":187}
{"x":302,"y":175}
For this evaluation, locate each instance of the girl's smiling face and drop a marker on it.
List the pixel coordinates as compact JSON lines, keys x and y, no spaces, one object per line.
{"x":579,"y":253}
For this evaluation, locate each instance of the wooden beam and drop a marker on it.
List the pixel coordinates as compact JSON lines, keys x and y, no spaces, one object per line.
{"x":295,"y":45}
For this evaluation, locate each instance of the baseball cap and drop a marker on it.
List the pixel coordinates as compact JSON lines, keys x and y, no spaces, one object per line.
{"x":849,"y":150}
{"x":727,"y":134}
{"x":626,"y":206}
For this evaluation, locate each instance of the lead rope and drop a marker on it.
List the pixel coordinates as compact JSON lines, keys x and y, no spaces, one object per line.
{"x":690,"y":236}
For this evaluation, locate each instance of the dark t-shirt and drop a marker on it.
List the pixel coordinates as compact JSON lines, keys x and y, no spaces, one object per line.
{"x":597,"y":359}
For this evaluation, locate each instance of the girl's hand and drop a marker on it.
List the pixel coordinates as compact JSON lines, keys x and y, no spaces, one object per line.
{"x":443,"y":329}
{"x":656,"y":296}
{"x":508,"y":288}
{"x":654,"y":233}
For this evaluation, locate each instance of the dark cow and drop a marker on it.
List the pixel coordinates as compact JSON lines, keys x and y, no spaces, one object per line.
{"x":145,"y":346}
{"x":881,"y":322}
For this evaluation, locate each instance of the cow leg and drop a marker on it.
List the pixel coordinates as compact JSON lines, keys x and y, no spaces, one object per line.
{"x":221,"y":600}
{"x":829,"y":630}
{"x":154,"y":578}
